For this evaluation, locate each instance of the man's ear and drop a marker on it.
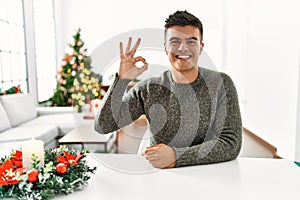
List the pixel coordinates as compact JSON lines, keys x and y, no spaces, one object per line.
{"x":165,"y":48}
{"x":201,"y":47}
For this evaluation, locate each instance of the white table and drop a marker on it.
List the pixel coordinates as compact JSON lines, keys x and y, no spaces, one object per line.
{"x":129,"y":176}
{"x":86,"y":137}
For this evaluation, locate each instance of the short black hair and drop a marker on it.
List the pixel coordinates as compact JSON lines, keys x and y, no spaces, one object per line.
{"x":183,"y":18}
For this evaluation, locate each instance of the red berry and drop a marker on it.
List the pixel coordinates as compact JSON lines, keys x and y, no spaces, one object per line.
{"x":33,"y":176}
{"x":61,"y":168}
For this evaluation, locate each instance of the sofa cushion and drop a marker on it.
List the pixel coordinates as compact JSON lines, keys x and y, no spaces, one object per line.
{"x":64,"y":121}
{"x":4,"y":121}
{"x":19,"y":108}
{"x":45,"y":133}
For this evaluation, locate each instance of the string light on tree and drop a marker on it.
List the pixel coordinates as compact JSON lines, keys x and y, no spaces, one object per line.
{"x":86,"y":85}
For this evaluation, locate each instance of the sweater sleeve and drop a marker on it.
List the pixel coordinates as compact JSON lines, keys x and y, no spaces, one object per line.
{"x":223,"y":142}
{"x":118,"y":108}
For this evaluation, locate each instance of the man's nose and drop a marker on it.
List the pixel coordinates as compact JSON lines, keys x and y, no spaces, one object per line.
{"x":182,"y":46}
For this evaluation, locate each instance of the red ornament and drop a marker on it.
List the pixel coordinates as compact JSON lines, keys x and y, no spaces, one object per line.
{"x":33,"y":176}
{"x":69,"y":159}
{"x":74,"y":66}
{"x":67,"y":58}
{"x":61,"y":168}
{"x":70,"y":100}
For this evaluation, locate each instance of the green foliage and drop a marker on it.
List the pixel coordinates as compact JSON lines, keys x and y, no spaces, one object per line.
{"x":35,"y":161}
{"x":11,"y":90}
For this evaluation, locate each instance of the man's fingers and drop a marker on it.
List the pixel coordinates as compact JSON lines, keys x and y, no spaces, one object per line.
{"x":128,"y":45}
{"x":144,"y":68}
{"x":139,"y":58}
{"x":133,"y":50}
{"x":129,"y":52}
{"x":121,"y":50}
{"x":150,"y":157}
{"x":150,"y":150}
{"x":136,"y":45}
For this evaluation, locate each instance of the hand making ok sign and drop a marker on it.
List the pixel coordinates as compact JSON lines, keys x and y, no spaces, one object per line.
{"x":128,"y":68}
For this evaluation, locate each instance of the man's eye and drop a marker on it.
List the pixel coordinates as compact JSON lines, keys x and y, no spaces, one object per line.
{"x":191,"y":42}
{"x":174,"y":42}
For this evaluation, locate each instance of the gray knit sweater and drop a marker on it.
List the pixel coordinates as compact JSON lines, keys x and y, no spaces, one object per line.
{"x":201,"y":121}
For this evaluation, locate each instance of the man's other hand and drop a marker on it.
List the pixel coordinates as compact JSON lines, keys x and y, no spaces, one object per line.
{"x":161,"y":156}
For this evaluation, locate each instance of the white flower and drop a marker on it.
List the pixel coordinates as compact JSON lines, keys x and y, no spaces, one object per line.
{"x":60,"y":180}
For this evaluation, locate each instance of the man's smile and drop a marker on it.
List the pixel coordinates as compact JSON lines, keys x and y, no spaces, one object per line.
{"x":183,"y":56}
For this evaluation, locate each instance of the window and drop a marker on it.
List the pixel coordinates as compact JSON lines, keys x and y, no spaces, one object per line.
{"x":45,"y":48}
{"x":13,"y":69}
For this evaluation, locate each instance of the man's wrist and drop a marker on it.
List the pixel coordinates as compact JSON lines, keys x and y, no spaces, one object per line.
{"x":122,"y":77}
{"x":173,"y":163}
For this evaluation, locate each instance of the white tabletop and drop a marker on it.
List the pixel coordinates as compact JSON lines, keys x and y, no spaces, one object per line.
{"x":85,"y":133}
{"x":129,"y":176}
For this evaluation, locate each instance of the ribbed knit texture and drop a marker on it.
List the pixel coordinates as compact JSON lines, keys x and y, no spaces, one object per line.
{"x":201,"y":120}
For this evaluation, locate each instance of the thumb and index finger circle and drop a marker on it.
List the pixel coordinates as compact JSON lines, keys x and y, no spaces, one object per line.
{"x":140,"y":58}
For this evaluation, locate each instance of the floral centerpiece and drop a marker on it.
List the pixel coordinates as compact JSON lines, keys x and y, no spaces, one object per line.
{"x":64,"y":172}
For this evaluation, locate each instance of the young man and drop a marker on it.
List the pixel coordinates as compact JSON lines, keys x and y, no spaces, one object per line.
{"x":193,"y":112}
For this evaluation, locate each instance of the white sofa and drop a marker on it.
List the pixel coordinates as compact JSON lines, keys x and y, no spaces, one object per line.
{"x":21,"y":120}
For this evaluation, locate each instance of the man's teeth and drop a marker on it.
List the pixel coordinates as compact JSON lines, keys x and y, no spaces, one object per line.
{"x":184,"y":57}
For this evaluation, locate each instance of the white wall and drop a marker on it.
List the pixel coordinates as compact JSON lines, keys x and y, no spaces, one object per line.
{"x":101,"y":20}
{"x":253,"y":41}
{"x":297,"y":142}
{"x":263,"y":53}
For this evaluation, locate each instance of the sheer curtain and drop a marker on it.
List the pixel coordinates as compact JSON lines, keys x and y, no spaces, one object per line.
{"x":13,"y":69}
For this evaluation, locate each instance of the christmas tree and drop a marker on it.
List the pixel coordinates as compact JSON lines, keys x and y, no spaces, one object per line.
{"x":86,"y":86}
{"x":76,"y":83}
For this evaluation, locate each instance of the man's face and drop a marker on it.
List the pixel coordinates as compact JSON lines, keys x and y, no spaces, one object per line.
{"x":183,"y":46}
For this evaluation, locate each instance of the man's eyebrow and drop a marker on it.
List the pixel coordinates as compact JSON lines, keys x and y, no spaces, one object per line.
{"x":192,"y":38}
{"x":177,"y":38}
{"x":174,"y":38}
